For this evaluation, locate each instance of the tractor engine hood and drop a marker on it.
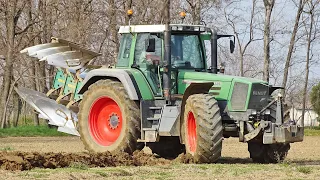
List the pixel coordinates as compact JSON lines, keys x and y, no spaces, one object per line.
{"x":203,"y":76}
{"x":222,"y":83}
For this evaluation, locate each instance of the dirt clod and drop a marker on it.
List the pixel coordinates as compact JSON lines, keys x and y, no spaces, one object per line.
{"x":28,"y":160}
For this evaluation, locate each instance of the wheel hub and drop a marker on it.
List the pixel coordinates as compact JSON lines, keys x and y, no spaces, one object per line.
{"x":113,"y":121}
{"x":105,"y":121}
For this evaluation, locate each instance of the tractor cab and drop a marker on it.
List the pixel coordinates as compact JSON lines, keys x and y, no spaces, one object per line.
{"x":142,"y":47}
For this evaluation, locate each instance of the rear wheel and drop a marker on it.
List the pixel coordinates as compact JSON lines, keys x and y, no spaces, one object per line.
{"x":203,"y":128}
{"x":108,"y":119}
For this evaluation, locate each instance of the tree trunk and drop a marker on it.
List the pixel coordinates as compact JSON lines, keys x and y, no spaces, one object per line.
{"x":309,"y":41}
{"x":34,"y":74}
{"x":268,"y":10}
{"x":17,"y":107}
{"x":113,"y":28}
{"x":291,"y":46}
{"x":8,"y":68}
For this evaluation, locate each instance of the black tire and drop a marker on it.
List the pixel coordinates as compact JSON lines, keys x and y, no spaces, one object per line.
{"x":268,"y":153}
{"x":167,"y":147}
{"x":207,"y":146}
{"x":128,"y":122}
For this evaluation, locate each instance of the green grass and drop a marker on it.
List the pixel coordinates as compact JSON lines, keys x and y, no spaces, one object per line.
{"x":312,"y":131}
{"x":30,"y":131}
{"x":304,"y":169}
{"x":7,"y":148}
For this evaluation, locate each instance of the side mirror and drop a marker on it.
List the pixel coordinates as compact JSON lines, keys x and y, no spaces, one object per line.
{"x":232,"y":46}
{"x":150,"y":45}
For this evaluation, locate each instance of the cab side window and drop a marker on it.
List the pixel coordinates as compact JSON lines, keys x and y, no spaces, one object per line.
{"x":124,"y":52}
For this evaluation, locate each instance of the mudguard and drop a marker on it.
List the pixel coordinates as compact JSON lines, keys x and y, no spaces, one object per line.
{"x":105,"y":73}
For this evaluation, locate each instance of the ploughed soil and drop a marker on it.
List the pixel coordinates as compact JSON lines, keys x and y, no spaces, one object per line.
{"x":25,"y":153}
{"x":30,"y":160}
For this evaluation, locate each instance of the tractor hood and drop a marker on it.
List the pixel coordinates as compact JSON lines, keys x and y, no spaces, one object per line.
{"x":222,"y":83}
{"x":203,"y":76}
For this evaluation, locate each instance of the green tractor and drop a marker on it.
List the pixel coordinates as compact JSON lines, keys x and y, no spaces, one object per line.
{"x":162,"y":94}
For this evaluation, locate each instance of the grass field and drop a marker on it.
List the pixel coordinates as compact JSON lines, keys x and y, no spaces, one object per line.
{"x":302,"y":162}
{"x":176,"y":171}
{"x":30,"y":131}
{"x":312,"y":131}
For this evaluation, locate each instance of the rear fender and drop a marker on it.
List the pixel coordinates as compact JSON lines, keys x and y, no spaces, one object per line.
{"x":193,"y":88}
{"x":116,"y":74}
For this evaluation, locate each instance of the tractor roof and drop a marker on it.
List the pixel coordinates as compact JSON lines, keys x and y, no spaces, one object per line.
{"x":161,"y":28}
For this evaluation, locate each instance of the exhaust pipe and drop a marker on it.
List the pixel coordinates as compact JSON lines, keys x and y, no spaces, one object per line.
{"x":167,"y":56}
{"x":214,"y":53}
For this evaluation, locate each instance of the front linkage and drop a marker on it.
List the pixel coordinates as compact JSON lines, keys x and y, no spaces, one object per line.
{"x":279,"y":130}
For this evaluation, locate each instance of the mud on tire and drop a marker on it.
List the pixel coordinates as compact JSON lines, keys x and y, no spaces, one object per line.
{"x":129,"y":118}
{"x":202,"y":128}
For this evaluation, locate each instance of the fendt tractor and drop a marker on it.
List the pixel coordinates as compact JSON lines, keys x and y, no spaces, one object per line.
{"x":161,"y":93}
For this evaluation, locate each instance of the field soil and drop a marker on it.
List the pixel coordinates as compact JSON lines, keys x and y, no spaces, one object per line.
{"x":308,"y":149}
{"x":28,"y":153}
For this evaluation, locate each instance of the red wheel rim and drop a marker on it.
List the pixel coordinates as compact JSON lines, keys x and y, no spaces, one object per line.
{"x":192,"y":132}
{"x":105,"y":121}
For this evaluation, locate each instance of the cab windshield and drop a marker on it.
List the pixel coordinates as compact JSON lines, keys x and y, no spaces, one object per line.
{"x":186,"y":52}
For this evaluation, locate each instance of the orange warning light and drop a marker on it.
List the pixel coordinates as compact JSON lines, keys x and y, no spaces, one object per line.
{"x":182,"y":14}
{"x":130,"y":12}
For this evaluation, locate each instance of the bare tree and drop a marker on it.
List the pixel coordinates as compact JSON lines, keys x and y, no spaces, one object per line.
{"x":311,"y":33}
{"x":232,"y":22}
{"x":12,"y":15}
{"x":268,"y":4}
{"x":291,"y":46}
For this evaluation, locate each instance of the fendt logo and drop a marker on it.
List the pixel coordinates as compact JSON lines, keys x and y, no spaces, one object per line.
{"x":259,"y":93}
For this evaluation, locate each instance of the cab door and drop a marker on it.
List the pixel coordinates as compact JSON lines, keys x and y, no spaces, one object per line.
{"x":148,"y":58}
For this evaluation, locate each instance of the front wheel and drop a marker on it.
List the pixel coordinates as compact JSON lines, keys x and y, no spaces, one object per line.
{"x":202,"y":128}
{"x":108,"y":119}
{"x":268,"y":153}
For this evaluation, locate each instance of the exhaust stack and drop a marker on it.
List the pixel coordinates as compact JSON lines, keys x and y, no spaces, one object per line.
{"x":214,"y":53}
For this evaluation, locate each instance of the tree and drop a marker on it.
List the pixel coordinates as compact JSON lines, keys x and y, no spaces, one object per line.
{"x":268,"y":4}
{"x":232,"y":21}
{"x":315,"y":98}
{"x":12,"y":14}
{"x":311,"y":36}
{"x":291,"y":46}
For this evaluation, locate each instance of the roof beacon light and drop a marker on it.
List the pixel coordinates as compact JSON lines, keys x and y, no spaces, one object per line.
{"x":130,"y":12}
{"x":182,"y":15}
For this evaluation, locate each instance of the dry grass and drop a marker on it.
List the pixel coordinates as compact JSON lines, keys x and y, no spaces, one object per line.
{"x":177,"y":171}
{"x":303,"y":162}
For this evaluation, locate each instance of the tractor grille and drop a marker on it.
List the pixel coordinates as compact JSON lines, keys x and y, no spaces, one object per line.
{"x":259,"y":96}
{"x":239,"y":96}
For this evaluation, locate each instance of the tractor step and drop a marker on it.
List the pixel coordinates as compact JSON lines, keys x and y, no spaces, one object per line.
{"x":149,"y":129}
{"x":142,"y":141}
{"x":155,"y":108}
{"x":153,"y":119}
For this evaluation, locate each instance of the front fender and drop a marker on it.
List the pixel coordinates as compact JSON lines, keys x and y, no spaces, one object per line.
{"x":107,"y":73}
